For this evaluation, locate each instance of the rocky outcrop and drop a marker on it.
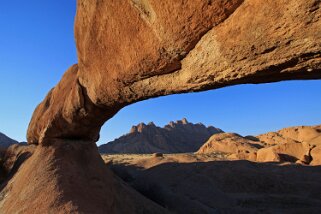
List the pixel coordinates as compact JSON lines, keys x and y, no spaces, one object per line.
{"x":316,"y":155}
{"x":67,"y":177}
{"x":150,"y":53}
{"x":12,"y":157}
{"x":176,"y":137}
{"x":5,"y":141}
{"x":291,"y":152}
{"x":267,"y":155}
{"x":295,"y":144}
{"x":310,"y":134}
{"x":240,"y":147}
{"x":133,"y":50}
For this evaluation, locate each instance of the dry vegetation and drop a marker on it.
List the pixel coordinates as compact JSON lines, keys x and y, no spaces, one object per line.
{"x":132,"y":159}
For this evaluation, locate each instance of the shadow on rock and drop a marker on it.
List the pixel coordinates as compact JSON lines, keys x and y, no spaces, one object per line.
{"x":11,"y":160}
{"x":228,"y":186}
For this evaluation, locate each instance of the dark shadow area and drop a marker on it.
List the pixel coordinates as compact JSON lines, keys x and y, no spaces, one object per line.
{"x":288,"y":158}
{"x":126,"y":172}
{"x":6,"y":176}
{"x":228,"y":186}
{"x":250,"y":137}
{"x":20,"y":160}
{"x":11,"y":160}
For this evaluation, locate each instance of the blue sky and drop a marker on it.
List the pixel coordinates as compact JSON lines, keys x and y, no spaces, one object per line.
{"x":37,"y":46}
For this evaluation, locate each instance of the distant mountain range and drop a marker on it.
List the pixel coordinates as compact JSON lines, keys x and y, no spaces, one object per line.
{"x":6,"y":141}
{"x":176,"y":137}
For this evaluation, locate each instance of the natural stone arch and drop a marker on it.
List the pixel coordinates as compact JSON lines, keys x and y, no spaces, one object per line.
{"x":151,"y":52}
{"x":132,"y":50}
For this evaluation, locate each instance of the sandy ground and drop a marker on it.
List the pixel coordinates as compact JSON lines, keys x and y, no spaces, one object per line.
{"x":193,"y":183}
{"x":143,"y":159}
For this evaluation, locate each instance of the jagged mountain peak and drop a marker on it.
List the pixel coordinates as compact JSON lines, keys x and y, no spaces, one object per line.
{"x":139,"y":128}
{"x":175,"y":137}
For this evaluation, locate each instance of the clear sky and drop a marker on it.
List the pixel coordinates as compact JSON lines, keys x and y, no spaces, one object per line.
{"x":37,"y":46}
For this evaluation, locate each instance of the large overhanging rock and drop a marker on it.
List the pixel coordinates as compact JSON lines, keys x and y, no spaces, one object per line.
{"x":131,"y":50}
{"x":137,"y":49}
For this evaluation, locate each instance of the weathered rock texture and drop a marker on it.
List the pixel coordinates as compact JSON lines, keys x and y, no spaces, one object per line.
{"x":310,"y":134}
{"x":238,"y":146}
{"x":66,"y":177}
{"x":166,"y":47}
{"x":176,"y":137}
{"x":316,"y":155}
{"x":137,"y":49}
{"x":299,"y":144}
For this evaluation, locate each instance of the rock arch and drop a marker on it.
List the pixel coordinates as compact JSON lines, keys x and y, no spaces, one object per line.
{"x":174,"y":47}
{"x":133,"y":50}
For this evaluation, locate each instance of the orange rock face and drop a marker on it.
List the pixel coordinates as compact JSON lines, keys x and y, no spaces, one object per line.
{"x":316,"y":156}
{"x":299,"y":144}
{"x":267,"y":155}
{"x":67,"y":112}
{"x":67,"y":177}
{"x":310,"y":134}
{"x":132,"y":50}
{"x":294,"y":143}
{"x":231,"y":143}
{"x":290,"y":152}
{"x":166,"y":47}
